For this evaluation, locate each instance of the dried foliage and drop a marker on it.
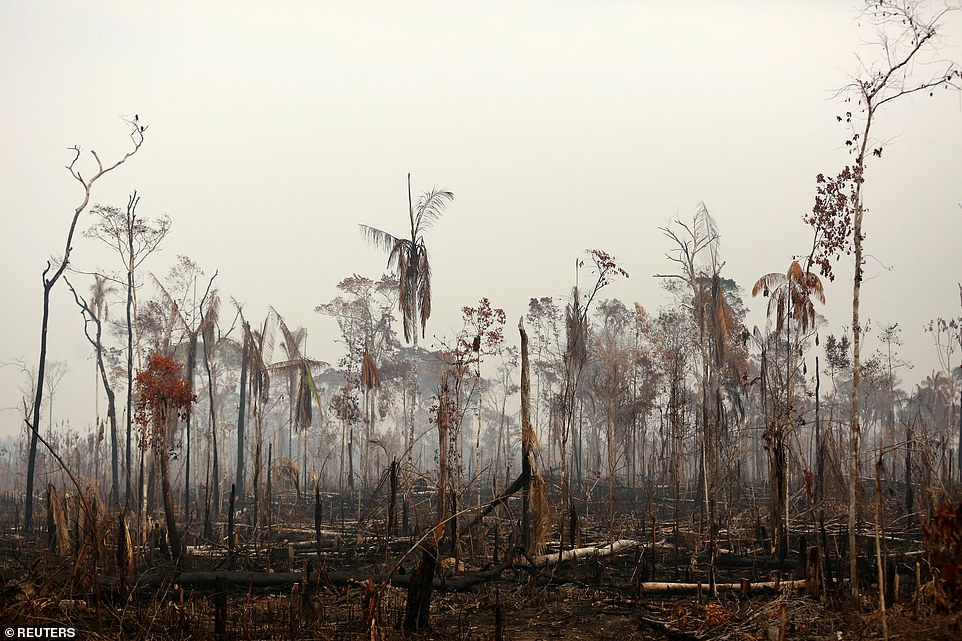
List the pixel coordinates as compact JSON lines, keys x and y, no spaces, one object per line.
{"x":790,"y":296}
{"x":408,"y":257}
{"x":943,"y":538}
{"x":832,"y":218}
{"x":58,"y":531}
{"x":162,"y":393}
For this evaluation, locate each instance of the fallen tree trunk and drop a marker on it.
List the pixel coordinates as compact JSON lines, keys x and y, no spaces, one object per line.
{"x":282,"y":580}
{"x":653,"y":587}
{"x":544,"y":560}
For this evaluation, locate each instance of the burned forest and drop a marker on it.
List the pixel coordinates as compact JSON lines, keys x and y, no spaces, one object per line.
{"x":447,"y":447}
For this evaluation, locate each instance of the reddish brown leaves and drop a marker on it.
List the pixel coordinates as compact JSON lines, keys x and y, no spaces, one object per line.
{"x":162,"y":393}
{"x":605,"y":266}
{"x":833,"y":217}
{"x":485,"y":325}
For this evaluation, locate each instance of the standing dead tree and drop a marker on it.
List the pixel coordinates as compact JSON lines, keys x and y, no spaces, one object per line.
{"x":419,"y":593}
{"x":194,"y":319}
{"x":905,"y":35}
{"x":409,"y":258}
{"x":51,"y":274}
{"x":91,"y":316}
{"x":133,"y":238}
{"x":696,"y":254}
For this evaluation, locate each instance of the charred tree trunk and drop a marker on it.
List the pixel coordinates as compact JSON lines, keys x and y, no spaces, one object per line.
{"x":191,"y":364}
{"x":909,"y":489}
{"x":418,"y":606}
{"x":241,"y":415}
{"x":527,"y":433}
{"x":819,"y":454}
{"x":317,"y":521}
{"x":392,"y":506}
{"x":130,"y":359}
{"x":161,"y":459}
{"x":230,"y":525}
{"x":215,"y":473}
{"x":137,"y":138}
{"x":97,"y":343}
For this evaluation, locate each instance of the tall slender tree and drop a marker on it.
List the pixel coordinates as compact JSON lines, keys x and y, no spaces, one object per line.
{"x":408,"y":256}
{"x":905,"y":35}
{"x":134,"y":239}
{"x":51,"y":274}
{"x":95,"y":312}
{"x":191,"y":315}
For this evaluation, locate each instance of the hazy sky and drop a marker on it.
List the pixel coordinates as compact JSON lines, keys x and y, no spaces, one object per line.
{"x":275,"y":128}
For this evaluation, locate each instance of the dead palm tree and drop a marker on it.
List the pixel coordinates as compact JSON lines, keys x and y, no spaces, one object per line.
{"x":409,"y":258}
{"x":301,"y":387}
{"x":370,"y":379}
{"x":258,"y":345}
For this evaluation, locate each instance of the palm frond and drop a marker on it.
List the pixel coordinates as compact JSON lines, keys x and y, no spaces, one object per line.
{"x":757,"y":335}
{"x":291,"y":342}
{"x":725,"y":325}
{"x":795,"y":273}
{"x":767,"y":283}
{"x":813,"y":284}
{"x":406,"y":290}
{"x":780,"y":313}
{"x":295,"y":365}
{"x":378,"y":238}
{"x":370,"y":378}
{"x":430,"y":207}
{"x":424,"y":290}
{"x":99,"y":291}
{"x":260,"y":345}
{"x":176,"y":313}
{"x":211,"y":316}
{"x":706,"y":235}
{"x":312,"y":386}
{"x":265,"y":340}
{"x":285,"y":468}
{"x":304,"y":409}
{"x":399,"y":253}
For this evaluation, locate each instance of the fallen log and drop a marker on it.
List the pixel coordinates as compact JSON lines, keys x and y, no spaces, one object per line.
{"x":590,"y":552}
{"x":282,"y":580}
{"x":655,"y":587}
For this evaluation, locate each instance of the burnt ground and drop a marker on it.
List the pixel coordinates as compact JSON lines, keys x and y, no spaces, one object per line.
{"x":587,"y":599}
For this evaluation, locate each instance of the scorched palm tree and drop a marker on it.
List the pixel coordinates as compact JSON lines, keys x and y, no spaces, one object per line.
{"x":409,"y":258}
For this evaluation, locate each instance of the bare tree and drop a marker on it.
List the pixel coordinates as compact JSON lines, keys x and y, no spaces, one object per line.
{"x":51,"y":380}
{"x":93,"y":312}
{"x":905,"y":35}
{"x":696,"y":254}
{"x":51,"y":274}
{"x":134,"y":239}
{"x":193,"y":318}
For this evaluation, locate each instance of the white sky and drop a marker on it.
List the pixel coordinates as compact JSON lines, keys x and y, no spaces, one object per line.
{"x":275,"y":128}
